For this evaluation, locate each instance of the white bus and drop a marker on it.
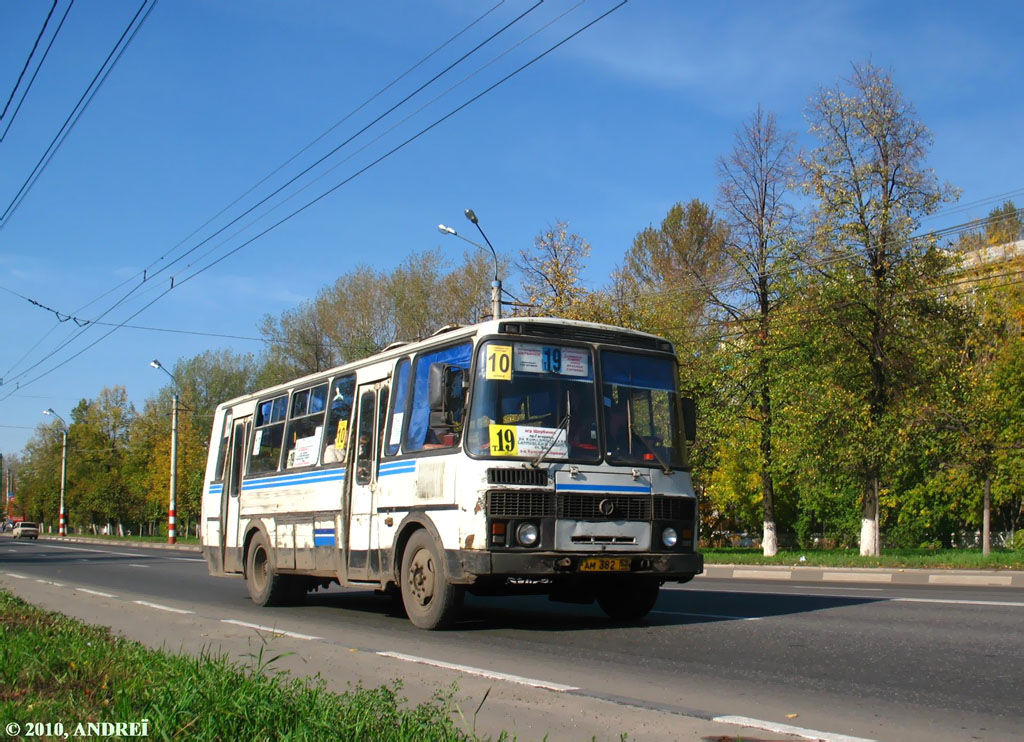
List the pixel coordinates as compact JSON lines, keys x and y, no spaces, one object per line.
{"x":517,"y":455}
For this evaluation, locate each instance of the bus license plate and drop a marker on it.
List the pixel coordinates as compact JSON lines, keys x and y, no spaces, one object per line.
{"x":605,"y":565}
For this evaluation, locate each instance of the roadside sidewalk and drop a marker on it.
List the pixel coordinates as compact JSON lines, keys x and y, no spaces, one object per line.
{"x":873,"y":575}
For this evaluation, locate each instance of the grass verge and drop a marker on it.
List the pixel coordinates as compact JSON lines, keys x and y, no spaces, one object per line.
{"x":54,"y":668}
{"x":893,"y":558}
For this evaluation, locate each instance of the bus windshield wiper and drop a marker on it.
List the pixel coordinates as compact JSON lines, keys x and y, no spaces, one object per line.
{"x":647,"y":444}
{"x":563,"y":425}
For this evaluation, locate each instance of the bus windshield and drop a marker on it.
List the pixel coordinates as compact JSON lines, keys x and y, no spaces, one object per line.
{"x":641,"y":410}
{"x":534,"y":401}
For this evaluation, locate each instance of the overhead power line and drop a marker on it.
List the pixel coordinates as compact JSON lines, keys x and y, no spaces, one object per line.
{"x":323,"y":195}
{"x":28,"y":61}
{"x":42,"y":60}
{"x":83,"y":102}
{"x":148,"y":278}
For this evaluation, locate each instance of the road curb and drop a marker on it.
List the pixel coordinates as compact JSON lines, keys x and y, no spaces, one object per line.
{"x":870,"y":575}
{"x":196,"y":548}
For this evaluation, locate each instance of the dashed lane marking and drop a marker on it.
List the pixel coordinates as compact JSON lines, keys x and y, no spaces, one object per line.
{"x":480,"y":672}
{"x":270,"y":629}
{"x":161,"y":607}
{"x":775,"y":728}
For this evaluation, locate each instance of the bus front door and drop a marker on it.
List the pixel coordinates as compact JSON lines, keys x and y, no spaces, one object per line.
{"x":231,"y":554}
{"x":363,"y":554}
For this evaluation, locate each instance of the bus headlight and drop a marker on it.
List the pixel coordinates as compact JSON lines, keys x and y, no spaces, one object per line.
{"x":669,"y":537}
{"x":527,"y":534}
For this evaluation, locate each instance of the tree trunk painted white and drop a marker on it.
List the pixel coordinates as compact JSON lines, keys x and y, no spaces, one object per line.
{"x":869,"y":534}
{"x":986,"y":527}
{"x":770,"y":542}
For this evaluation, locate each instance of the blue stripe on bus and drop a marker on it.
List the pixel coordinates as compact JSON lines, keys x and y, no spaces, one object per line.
{"x":399,"y":467}
{"x":334,"y":475}
{"x":602,"y":488}
{"x":216,"y":489}
{"x":324,"y":537}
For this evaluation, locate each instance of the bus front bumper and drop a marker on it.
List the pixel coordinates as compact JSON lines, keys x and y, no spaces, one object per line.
{"x":465,"y":566}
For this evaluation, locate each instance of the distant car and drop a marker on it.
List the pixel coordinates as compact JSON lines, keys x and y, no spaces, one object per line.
{"x":25,"y":529}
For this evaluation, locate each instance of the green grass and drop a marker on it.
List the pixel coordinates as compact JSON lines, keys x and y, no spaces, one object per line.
{"x":54,"y":668}
{"x":896,"y":558}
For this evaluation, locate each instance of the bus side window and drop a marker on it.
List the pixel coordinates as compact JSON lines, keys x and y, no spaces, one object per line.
{"x":398,"y":408}
{"x":438,"y":398}
{"x":339,"y":413}
{"x":305,"y":427}
{"x":268,"y":435}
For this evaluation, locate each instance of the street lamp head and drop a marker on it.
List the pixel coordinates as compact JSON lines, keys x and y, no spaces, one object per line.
{"x":471,"y":216}
{"x":49,"y":411}
{"x":155,"y":364}
{"x":446,"y":230}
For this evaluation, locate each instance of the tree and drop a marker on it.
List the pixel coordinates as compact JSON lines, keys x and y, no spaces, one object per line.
{"x":552,"y":272}
{"x":753,"y":189}
{"x":666,"y":286}
{"x":1004,"y":224}
{"x":100,"y":431}
{"x":365,"y":310}
{"x":872,"y":187}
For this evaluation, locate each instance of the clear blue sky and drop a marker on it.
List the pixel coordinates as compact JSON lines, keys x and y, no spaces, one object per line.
{"x":606,"y":132}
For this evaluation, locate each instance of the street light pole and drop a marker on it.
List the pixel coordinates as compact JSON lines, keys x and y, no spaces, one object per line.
{"x":172,"y":506}
{"x":496,"y":282}
{"x":62,"y":527}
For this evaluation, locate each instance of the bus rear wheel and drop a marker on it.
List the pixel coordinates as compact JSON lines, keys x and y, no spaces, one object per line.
{"x":430,"y":601}
{"x":628,"y":600}
{"x":266,"y":586}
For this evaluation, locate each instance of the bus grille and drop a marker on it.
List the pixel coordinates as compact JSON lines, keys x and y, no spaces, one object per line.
{"x":578,"y":506}
{"x":520,"y":504}
{"x":529,"y":477}
{"x":616,"y":507}
{"x":673,"y":508}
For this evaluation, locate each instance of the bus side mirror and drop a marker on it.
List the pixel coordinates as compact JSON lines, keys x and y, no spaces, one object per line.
{"x":446,"y":387}
{"x":689,"y":419}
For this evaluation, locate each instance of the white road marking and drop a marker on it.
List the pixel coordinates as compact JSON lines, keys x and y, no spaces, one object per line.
{"x":957,"y":602}
{"x":270,"y":629}
{"x":544,"y":684}
{"x":708,"y":615}
{"x":97,"y":551}
{"x":17,"y":576}
{"x":51,"y":582}
{"x":161,"y":607}
{"x":770,"y":726}
{"x":141,"y":566}
{"x":95,"y":592}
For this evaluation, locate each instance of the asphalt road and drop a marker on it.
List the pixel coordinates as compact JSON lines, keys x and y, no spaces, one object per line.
{"x":894,"y":662}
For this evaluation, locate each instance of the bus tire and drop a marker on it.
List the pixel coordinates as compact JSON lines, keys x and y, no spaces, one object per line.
{"x":431,"y":602}
{"x":628,"y":600}
{"x":266,"y":586}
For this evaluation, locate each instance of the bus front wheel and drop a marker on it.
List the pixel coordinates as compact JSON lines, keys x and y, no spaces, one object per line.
{"x":266,"y":586}
{"x":430,"y":601}
{"x":628,"y":600}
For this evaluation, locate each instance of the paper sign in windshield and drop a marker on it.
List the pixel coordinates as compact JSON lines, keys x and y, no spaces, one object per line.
{"x":524,"y":440}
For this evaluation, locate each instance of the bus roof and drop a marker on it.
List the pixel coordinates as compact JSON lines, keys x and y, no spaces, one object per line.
{"x":555,"y":329}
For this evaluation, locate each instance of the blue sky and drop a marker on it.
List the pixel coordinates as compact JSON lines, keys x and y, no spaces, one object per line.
{"x":606,"y":132}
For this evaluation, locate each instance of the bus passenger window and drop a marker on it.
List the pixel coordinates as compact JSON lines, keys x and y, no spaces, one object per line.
{"x":305,"y":428}
{"x":338,"y":414}
{"x":268,"y":435}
